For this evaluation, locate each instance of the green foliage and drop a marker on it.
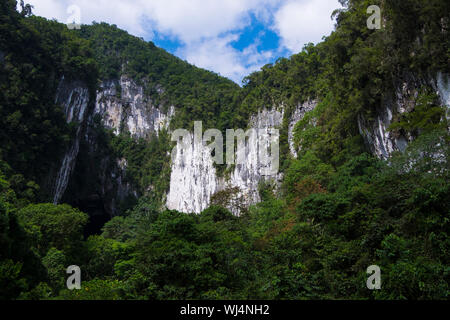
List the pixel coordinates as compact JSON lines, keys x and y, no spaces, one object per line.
{"x":57,"y":226}
{"x":426,"y":116}
{"x":36,"y":54}
{"x":148,"y":162}
{"x":105,"y":257}
{"x":20,"y":268}
{"x":56,"y":263}
{"x":10,"y":280}
{"x":307,"y":166}
{"x":229,"y":198}
{"x":339,"y":209}
{"x":94,"y":290}
{"x":198,"y":95}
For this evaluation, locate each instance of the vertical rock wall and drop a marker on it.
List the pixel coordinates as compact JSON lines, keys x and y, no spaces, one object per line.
{"x":74,"y":97}
{"x":378,"y":138}
{"x":298,"y":115}
{"x":124,"y":106}
{"x":194,"y":179}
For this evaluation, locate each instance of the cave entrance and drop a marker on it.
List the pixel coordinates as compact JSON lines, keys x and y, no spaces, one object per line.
{"x":98,"y":215}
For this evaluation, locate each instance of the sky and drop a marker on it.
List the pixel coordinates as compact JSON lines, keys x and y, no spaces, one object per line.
{"x":230,"y":37}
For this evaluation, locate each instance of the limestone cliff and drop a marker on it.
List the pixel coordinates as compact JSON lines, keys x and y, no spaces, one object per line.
{"x":298,"y":115}
{"x":74,"y":97}
{"x":123,"y":106}
{"x":194,"y":179}
{"x":378,"y":138}
{"x":100,"y":178}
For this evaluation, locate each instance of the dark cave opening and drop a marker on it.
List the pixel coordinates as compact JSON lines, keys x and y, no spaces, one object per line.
{"x":98,"y":215}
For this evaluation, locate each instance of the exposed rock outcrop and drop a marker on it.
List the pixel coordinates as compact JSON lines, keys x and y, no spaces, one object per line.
{"x":123,"y":105}
{"x":298,"y":115}
{"x":375,"y":132}
{"x":443,"y":90}
{"x":194,"y":178}
{"x":382,"y":142}
{"x":254,"y":170}
{"x":74,"y":97}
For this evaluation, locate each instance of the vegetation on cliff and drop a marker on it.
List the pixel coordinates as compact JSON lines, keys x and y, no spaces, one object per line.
{"x":339,"y":210}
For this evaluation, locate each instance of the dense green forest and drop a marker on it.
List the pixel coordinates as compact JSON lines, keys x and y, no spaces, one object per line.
{"x":340,"y":209}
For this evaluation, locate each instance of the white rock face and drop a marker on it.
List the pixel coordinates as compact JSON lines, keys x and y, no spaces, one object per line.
{"x":382,"y":142}
{"x":108,"y":106}
{"x":443,"y":87}
{"x":130,"y":110}
{"x":194,"y":180}
{"x":376,"y":135}
{"x":249,"y":175}
{"x":298,"y":115}
{"x":74,"y":97}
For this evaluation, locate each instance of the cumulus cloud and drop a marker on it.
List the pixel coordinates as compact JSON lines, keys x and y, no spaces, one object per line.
{"x":206,"y":30}
{"x":124,"y":13}
{"x":219,"y":55}
{"x":196,"y":19}
{"x":299,"y":22}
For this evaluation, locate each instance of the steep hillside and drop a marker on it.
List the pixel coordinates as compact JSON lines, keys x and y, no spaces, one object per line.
{"x":87,"y":177}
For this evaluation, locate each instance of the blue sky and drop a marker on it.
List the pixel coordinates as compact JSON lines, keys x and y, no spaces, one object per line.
{"x":230,"y":37}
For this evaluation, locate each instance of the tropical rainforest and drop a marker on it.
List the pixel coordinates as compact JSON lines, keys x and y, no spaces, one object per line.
{"x":339,"y":209}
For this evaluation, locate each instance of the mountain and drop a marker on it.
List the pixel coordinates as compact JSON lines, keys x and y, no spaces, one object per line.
{"x":87,"y":118}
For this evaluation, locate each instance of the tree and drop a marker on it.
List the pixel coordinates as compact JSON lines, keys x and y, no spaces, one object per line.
{"x":26,"y":9}
{"x":57,"y":226}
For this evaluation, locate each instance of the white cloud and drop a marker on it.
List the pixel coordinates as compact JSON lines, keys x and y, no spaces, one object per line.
{"x":196,"y":19}
{"x":299,"y":22}
{"x":124,"y":13}
{"x":218,"y":55}
{"x":205,"y":29}
{"x":188,"y":20}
